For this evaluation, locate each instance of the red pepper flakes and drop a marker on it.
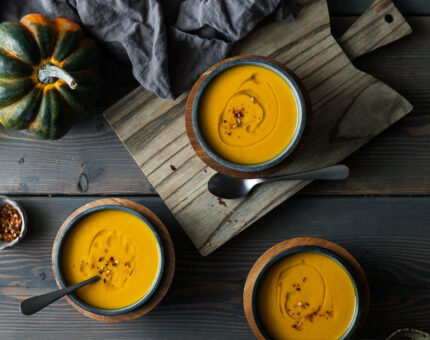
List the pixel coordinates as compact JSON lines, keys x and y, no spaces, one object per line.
{"x":311,"y":316}
{"x":298,"y":326}
{"x":221,"y":202}
{"x":10,"y":223}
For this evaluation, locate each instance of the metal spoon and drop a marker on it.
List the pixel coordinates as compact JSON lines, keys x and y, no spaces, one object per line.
{"x":36,"y":303}
{"x":229,"y":187}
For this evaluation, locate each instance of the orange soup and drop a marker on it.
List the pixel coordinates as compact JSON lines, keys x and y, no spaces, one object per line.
{"x":248,"y":114}
{"x":306,"y":296}
{"x":120,"y":248}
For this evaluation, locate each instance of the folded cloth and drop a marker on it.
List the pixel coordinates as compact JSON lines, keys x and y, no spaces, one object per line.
{"x":169,"y":43}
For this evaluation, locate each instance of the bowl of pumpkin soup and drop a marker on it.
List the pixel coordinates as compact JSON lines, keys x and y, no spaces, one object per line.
{"x":118,"y":244}
{"x":304,"y":292}
{"x":248,"y":113}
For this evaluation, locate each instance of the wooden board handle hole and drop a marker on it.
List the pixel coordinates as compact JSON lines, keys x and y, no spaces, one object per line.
{"x":389,"y":18}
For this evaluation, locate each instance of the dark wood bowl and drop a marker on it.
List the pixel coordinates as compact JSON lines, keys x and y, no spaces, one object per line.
{"x":277,"y":252}
{"x":169,"y":259}
{"x":213,"y":163}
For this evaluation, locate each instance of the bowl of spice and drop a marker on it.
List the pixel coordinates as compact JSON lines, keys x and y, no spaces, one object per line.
{"x":13,"y":223}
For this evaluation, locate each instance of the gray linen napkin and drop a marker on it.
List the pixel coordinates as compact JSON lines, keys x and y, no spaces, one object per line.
{"x":169,"y":43}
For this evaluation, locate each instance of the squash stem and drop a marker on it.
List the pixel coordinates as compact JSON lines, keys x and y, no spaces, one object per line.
{"x":49,"y":73}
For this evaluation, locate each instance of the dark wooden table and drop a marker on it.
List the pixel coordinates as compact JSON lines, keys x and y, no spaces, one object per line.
{"x":381,"y":214}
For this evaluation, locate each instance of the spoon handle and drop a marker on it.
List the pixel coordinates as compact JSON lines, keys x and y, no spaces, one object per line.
{"x":36,"y":303}
{"x":330,"y":173}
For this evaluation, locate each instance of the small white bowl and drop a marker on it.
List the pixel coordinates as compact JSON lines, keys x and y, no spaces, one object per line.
{"x":3,"y":201}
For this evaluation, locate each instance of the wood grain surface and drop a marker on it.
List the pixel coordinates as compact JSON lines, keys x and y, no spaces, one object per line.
{"x":388,"y":236}
{"x":169,"y":258}
{"x":349,"y":108}
{"x":369,"y":31}
{"x":91,"y":160}
{"x":356,"y":7}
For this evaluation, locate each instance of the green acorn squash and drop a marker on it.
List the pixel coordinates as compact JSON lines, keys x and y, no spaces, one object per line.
{"x":49,"y":76}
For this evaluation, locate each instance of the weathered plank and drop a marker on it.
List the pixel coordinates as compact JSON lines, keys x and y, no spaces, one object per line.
{"x":356,"y":7}
{"x":88,"y":160}
{"x":349,"y":108}
{"x":388,"y":236}
{"x":397,"y":162}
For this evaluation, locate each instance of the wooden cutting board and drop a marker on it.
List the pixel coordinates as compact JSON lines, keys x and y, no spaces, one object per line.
{"x":349,"y":108}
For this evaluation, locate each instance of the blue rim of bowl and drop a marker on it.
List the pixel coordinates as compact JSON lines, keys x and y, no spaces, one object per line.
{"x":355,"y":320}
{"x":100,"y":311}
{"x":301,"y":114}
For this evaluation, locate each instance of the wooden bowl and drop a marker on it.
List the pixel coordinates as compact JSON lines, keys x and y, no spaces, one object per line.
{"x":211,"y":158}
{"x":302,"y":244}
{"x":163,"y":284}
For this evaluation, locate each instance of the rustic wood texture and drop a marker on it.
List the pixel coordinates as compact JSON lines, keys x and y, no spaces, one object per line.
{"x":169,"y":255}
{"x":365,"y":33}
{"x":349,"y":108}
{"x":356,"y":7}
{"x":397,"y":162}
{"x":277,"y":249}
{"x":200,"y":152}
{"x":390,"y":238}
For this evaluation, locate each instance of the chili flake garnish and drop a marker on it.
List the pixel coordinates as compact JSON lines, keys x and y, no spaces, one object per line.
{"x":221,"y":202}
{"x":298,"y":325}
{"x":10,"y":223}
